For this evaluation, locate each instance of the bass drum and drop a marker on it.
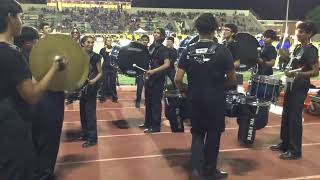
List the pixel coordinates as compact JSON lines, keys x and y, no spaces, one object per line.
{"x":248,"y":50}
{"x":185,"y":42}
{"x":177,"y":109}
{"x":134,"y":53}
{"x":252,"y":115}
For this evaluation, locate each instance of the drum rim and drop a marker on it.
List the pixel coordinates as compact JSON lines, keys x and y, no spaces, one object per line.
{"x":267,"y":79}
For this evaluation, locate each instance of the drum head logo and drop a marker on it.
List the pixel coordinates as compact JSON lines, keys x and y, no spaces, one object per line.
{"x":131,"y":72}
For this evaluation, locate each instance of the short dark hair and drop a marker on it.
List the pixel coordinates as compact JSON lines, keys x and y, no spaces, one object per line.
{"x":270,"y":34}
{"x":170,"y":38}
{"x":206,"y":23}
{"x":144,"y":36}
{"x":28,"y":33}
{"x":43,"y":24}
{"x":309,"y":27}
{"x":84,"y":39}
{"x":162,"y":33}
{"x":8,"y":8}
{"x":232,"y":27}
{"x":73,"y":30}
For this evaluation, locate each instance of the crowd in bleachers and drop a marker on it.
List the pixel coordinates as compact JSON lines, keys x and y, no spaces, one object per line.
{"x":100,"y":20}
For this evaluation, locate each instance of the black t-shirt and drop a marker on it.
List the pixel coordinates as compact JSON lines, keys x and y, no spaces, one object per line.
{"x":304,"y":57}
{"x":268,"y":53}
{"x":206,"y":76}
{"x":233,"y":47}
{"x":94,"y":60}
{"x":210,"y":73}
{"x":13,"y":70}
{"x":106,"y":58}
{"x":173,"y":55}
{"x":158,"y":54}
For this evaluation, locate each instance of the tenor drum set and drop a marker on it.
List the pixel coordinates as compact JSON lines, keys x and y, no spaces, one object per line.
{"x":252,"y":108}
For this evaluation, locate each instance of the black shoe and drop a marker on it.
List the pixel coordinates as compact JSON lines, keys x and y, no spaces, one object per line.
{"x":149,"y":131}
{"x":69,"y":102}
{"x":220,"y":175}
{"x":278,"y":147}
{"x":195,"y":175}
{"x":137,"y":104}
{"x":102,"y":100}
{"x":88,"y":144}
{"x":289,"y":155}
{"x":115,"y":100}
{"x":80,"y":138}
{"x":143,"y":126}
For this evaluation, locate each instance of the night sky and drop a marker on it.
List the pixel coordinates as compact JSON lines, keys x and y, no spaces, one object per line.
{"x":33,"y":1}
{"x":266,"y":9}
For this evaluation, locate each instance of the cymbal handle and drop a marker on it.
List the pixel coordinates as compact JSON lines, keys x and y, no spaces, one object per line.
{"x":61,"y":64}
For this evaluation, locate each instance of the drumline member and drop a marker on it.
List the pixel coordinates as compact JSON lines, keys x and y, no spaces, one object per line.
{"x":75,"y":34}
{"x":45,"y":29}
{"x":305,"y":56}
{"x":74,"y":95}
{"x":229,"y":31}
{"x":268,"y":53}
{"x":209,"y":68}
{"x":88,"y":103}
{"x":47,"y":116}
{"x":144,"y":39}
{"x":173,"y":55}
{"x":17,"y":92}
{"x":154,"y":86}
{"x":109,"y":85}
{"x":283,"y":48}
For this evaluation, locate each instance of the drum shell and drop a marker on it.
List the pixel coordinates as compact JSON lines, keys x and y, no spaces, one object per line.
{"x":255,"y":111}
{"x":176,"y":110}
{"x":232,"y":101}
{"x":266,"y":88}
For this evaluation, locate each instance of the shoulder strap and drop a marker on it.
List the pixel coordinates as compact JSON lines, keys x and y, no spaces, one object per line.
{"x":211,"y":50}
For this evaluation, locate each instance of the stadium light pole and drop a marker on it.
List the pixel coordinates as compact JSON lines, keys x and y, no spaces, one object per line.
{"x":287,"y":19}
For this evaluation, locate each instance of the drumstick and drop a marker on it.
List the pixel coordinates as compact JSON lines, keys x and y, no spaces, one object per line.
{"x":295,"y":70}
{"x":136,"y":66}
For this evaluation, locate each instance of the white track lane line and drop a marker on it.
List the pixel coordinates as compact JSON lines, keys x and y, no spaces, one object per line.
{"x":186,"y":131}
{"x":303,"y":177}
{"x":162,"y":155}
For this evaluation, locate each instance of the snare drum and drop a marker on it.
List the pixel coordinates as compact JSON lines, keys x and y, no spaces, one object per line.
{"x":266,"y":88}
{"x":232,"y":100}
{"x":176,"y":110}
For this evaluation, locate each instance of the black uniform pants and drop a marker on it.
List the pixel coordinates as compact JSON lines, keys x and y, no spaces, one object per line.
{"x":171,"y":74}
{"x":140,"y":84}
{"x":153,"y":97}
{"x":204,"y":150}
{"x":88,"y":116}
{"x":46,"y":131}
{"x":291,"y":124}
{"x":16,"y":148}
{"x":109,"y":87}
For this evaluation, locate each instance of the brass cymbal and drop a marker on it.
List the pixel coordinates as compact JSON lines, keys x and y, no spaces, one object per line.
{"x":76,"y":71}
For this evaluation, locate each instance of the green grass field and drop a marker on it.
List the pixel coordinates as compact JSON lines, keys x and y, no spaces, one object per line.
{"x":125,"y":80}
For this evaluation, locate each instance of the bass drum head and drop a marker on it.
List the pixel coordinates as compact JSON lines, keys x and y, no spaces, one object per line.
{"x":248,"y":49}
{"x":134,"y":53}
